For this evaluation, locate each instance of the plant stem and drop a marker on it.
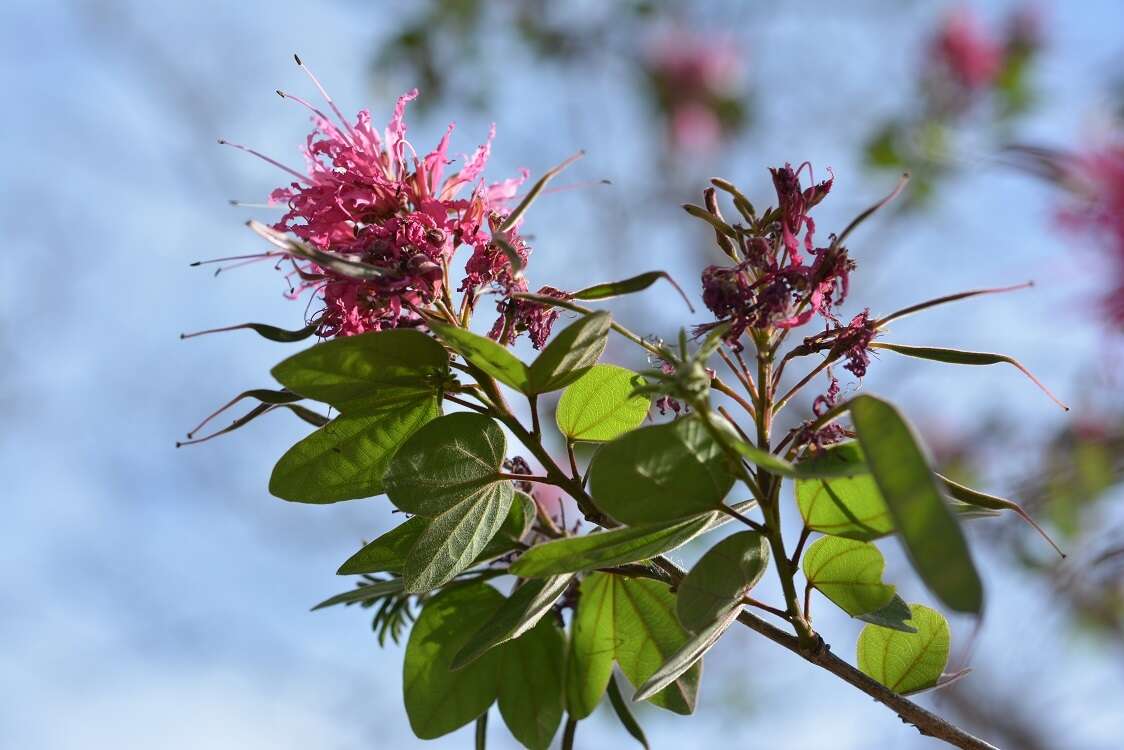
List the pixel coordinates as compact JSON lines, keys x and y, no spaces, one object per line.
{"x":568,"y":734}
{"x":482,"y":731}
{"x":926,"y":722}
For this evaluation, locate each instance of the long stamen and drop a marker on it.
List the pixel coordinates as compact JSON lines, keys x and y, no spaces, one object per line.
{"x":314,"y":110}
{"x":274,"y":162}
{"x":235,"y":257}
{"x":327,"y":98}
{"x":246,"y":204}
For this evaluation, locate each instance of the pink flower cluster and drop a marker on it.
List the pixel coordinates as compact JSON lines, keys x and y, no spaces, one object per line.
{"x":967,"y":50}
{"x":1097,"y":178}
{"x":367,"y":196}
{"x":777,"y":285}
{"x":696,"y":80}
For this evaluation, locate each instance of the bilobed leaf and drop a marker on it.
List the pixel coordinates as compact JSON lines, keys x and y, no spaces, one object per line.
{"x":453,"y":540}
{"x":519,"y":613}
{"x":605,"y":549}
{"x":624,"y":713}
{"x":849,"y":573}
{"x":928,"y":530}
{"x":363,"y":593}
{"x":570,"y":354}
{"x":484,"y":353}
{"x":685,"y":658}
{"x":906,"y":662}
{"x":387,"y":554}
{"x":589,"y":660}
{"x":849,"y":507}
{"x":355,"y":373}
{"x":894,"y":615}
{"x":602,"y":404}
{"x":448,"y":471}
{"x":647,"y":636}
{"x":660,"y":473}
{"x":530,"y":684}
{"x":719,"y":580}
{"x":346,"y":458}
{"x":439,"y":700}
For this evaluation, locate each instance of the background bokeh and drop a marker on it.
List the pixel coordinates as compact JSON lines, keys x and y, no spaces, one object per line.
{"x":158,"y":598}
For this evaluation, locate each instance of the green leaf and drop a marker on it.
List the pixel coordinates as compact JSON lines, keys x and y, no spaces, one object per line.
{"x":849,"y":573}
{"x":519,"y":613}
{"x":928,"y":530}
{"x":961,"y":357}
{"x":842,"y":460}
{"x":906,"y":662}
{"x":602,"y":404}
{"x":439,"y":700}
{"x":589,"y":661}
{"x":346,"y":458}
{"x":719,"y":580}
{"x":530,"y":684}
{"x":355,"y":373}
{"x":605,"y":549}
{"x":363,"y":593}
{"x":628,"y":286}
{"x":847,"y":507}
{"x":484,"y":353}
{"x":624,"y":713}
{"x":660,"y":473}
{"x":893,"y":615}
{"x":448,"y":471}
{"x":387,"y":554}
{"x":647,"y":636}
{"x":571,"y":354}
{"x":685,"y":658}
{"x":979,"y":499}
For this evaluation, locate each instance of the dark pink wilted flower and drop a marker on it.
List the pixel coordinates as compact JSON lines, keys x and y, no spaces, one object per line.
{"x":830,"y":433}
{"x":1097,"y":180}
{"x":777,"y":285}
{"x":854,"y":342}
{"x":965,"y":49}
{"x":523,"y":315}
{"x":368,"y":196}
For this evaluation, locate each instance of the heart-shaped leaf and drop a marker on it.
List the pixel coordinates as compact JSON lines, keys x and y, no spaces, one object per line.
{"x":602,"y":404}
{"x":906,"y":662}
{"x":719,"y":580}
{"x":660,"y":473}
{"x":449,"y":471}
{"x":849,"y":573}
{"x":685,"y":658}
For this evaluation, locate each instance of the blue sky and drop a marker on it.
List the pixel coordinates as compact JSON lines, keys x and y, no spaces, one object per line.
{"x":159,"y":597}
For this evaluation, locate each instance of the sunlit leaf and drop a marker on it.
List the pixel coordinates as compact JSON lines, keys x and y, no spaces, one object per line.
{"x":906,"y":662}
{"x":589,"y":660}
{"x":893,"y":615}
{"x":849,"y":573}
{"x":687,"y":656}
{"x":602,"y":404}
